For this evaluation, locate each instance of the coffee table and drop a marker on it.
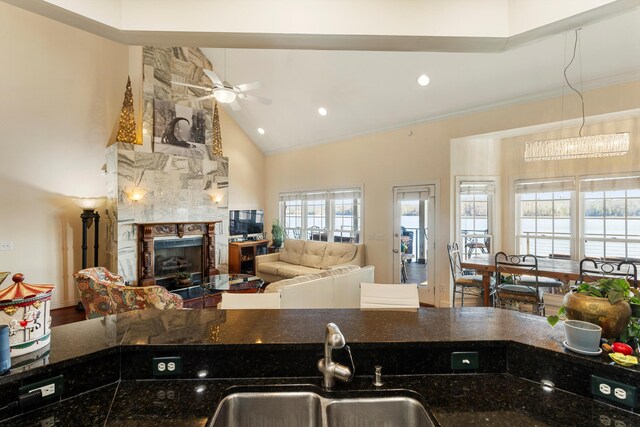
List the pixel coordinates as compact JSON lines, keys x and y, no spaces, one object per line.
{"x":207,"y":294}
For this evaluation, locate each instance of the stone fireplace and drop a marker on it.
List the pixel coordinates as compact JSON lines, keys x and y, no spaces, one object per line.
{"x":178,"y":189}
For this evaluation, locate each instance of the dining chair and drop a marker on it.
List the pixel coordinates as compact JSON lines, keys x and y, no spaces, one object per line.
{"x":592,"y":270}
{"x":376,"y":295}
{"x":474,"y":244}
{"x":464,"y":281}
{"x":510,"y":290}
{"x":231,"y":301}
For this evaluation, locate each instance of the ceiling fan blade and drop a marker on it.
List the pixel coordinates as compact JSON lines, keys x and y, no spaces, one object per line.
{"x":213,"y":76}
{"x":189,"y":85}
{"x":256,"y":98}
{"x":249,"y":86}
{"x":235,"y":106}
{"x":202,"y":98}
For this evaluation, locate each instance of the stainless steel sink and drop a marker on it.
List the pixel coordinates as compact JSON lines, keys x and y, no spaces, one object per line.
{"x":297,"y":409}
{"x":378,"y":412}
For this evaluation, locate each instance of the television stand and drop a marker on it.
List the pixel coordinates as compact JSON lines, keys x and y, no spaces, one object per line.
{"x":242,"y":255}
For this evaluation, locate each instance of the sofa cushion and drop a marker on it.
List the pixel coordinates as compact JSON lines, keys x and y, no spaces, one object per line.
{"x":272,"y":267}
{"x":313,"y":253}
{"x":292,"y":251}
{"x":291,"y":270}
{"x":338,"y":253}
{"x":276,"y":286}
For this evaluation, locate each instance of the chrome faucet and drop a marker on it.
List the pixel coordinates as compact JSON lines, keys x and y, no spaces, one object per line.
{"x":333,"y":339}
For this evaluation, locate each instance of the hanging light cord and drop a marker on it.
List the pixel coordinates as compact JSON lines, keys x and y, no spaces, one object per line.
{"x":575,"y":45}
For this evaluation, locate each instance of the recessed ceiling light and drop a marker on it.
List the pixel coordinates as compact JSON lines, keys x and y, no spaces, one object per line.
{"x":423,"y":80}
{"x":322,"y":111}
{"x":261,"y":131}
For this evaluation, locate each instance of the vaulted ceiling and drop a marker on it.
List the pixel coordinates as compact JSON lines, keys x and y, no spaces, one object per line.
{"x":362,"y":63}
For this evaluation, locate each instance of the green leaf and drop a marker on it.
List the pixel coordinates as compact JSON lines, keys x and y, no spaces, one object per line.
{"x":553,"y":320}
{"x":562,"y":311}
{"x":615,"y":296}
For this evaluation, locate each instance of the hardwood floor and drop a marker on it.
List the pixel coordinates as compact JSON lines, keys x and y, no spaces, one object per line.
{"x":63,"y":316}
{"x":416,"y":273}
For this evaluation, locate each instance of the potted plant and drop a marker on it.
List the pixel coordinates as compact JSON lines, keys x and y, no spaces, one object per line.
{"x":604,"y":303}
{"x":277,"y":233}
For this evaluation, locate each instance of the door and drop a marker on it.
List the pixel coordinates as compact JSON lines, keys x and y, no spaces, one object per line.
{"x":413,"y":238}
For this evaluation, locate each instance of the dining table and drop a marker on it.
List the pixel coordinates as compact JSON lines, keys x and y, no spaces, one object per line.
{"x":485,"y":264}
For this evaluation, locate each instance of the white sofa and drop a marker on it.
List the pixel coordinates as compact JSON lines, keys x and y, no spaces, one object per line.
{"x":335,"y":288}
{"x":301,"y":257}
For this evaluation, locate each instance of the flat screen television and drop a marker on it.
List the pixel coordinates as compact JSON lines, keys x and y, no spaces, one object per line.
{"x":246,"y":222}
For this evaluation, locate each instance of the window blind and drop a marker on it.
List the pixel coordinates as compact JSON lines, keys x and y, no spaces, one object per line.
{"x":346,"y":193}
{"x":477,"y":187}
{"x":549,"y":186}
{"x":609,"y":183}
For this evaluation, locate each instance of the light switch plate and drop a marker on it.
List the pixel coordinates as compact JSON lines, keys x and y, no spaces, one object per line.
{"x":464,"y":361}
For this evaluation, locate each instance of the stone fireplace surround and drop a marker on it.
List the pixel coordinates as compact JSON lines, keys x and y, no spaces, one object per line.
{"x":147,"y":233}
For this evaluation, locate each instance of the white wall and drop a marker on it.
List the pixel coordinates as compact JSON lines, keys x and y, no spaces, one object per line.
{"x":62,"y":90}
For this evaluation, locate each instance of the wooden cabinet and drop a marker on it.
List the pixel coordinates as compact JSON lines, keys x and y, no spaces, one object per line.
{"x":242,"y":255}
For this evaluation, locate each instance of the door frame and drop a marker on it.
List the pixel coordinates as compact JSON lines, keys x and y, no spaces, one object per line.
{"x":431,"y":294}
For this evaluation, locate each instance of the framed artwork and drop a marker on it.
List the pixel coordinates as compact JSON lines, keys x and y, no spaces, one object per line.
{"x":178,"y":129}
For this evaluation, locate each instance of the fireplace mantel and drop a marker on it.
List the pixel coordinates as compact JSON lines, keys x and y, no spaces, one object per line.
{"x":147,"y":232}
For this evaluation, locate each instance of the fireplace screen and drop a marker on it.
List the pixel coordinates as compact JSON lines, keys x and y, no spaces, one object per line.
{"x":173,"y":256}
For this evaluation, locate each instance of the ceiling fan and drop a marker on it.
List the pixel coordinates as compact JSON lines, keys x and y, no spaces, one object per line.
{"x":226,"y":93}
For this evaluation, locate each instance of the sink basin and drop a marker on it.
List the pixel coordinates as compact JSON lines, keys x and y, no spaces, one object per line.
{"x":295,"y":409}
{"x":378,"y":412}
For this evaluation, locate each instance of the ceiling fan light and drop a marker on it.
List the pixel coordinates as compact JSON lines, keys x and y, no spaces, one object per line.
{"x":224,"y":95}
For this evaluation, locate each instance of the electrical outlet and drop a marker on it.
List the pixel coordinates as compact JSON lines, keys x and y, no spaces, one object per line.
{"x":614,"y":391}
{"x":51,"y":387}
{"x":6,"y":245}
{"x":464,"y":361}
{"x":167,"y":366}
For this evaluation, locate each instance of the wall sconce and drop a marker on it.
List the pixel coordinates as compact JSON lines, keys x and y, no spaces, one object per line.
{"x":216,"y":197}
{"x":135,"y":194}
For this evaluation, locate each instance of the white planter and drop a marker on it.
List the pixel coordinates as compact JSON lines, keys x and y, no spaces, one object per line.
{"x":583,"y":336}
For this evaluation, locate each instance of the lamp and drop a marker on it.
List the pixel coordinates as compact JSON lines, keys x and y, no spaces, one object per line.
{"x":89,"y":206}
{"x":135,"y":194}
{"x":580,"y":147}
{"x":224,"y":95}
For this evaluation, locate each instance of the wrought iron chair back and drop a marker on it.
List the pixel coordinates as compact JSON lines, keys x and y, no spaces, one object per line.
{"x":455,"y":260}
{"x":592,"y":270}
{"x":509,"y":271}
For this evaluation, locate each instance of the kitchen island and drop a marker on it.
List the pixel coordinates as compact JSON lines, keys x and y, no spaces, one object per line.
{"x":109,"y":375}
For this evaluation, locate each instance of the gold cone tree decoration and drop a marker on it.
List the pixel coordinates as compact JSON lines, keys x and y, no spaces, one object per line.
{"x":127,"y":127}
{"x":217,"y":135}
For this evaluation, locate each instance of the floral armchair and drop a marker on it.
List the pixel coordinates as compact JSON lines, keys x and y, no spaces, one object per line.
{"x":103,"y":293}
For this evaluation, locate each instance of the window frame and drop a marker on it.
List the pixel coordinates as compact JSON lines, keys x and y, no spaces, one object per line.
{"x":327,"y":196}
{"x":553,"y":185}
{"x":493,"y":213}
{"x":626,"y":240}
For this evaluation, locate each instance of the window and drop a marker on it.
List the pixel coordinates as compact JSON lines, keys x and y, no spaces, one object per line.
{"x":476,"y":216}
{"x":611,"y":217}
{"x":331,"y":215}
{"x":543,"y":217}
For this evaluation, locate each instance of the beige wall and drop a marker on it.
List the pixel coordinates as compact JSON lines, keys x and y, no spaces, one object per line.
{"x":246,"y":166}
{"x":415,"y":155}
{"x":62,"y":90}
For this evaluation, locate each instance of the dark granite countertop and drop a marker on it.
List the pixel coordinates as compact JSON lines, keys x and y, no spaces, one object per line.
{"x":109,"y":360}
